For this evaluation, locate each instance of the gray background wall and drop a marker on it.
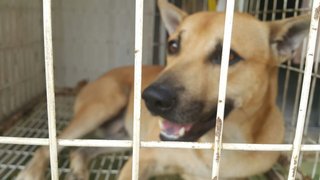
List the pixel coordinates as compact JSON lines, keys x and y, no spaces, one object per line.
{"x":21,"y":54}
{"x":91,"y":37}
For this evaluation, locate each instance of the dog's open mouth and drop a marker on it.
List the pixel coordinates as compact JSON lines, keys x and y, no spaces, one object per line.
{"x":173,"y":131}
{"x":170,"y":131}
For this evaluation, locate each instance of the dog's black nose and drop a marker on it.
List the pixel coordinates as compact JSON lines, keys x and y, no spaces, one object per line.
{"x":159,"y":98}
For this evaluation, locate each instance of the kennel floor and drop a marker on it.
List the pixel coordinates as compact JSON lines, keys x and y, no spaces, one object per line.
{"x":14,"y":157}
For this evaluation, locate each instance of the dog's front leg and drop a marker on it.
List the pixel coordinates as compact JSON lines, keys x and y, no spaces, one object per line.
{"x":80,"y":160}
{"x":155,"y":162}
{"x":37,"y":166}
{"x":146,"y":169}
{"x":84,"y":121}
{"x":149,"y":165}
{"x":193,"y":177}
{"x":150,"y":168}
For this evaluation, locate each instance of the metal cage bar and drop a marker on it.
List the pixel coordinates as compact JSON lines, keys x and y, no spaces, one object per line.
{"x":305,"y":89}
{"x":156,"y":144}
{"x":314,"y":170}
{"x":298,"y":91}
{"x":48,"y":54}
{"x":137,"y":87}
{"x":311,"y":97}
{"x":222,"y":88}
{"x":52,"y":141}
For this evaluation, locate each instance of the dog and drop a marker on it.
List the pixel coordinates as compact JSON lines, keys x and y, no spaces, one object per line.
{"x":180,"y":99}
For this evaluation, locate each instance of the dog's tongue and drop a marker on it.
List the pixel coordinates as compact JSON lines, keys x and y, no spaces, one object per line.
{"x":173,"y":130}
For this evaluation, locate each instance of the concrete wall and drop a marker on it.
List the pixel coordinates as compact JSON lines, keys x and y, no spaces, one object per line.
{"x":21,"y":54}
{"x":91,"y":37}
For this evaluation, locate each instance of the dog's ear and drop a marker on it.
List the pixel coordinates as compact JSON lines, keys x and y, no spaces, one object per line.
{"x":287,"y":35}
{"x":171,"y":15}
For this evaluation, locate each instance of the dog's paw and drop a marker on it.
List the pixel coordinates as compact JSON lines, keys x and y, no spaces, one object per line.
{"x":29,"y":175}
{"x":77,"y":176}
{"x":79,"y":165}
{"x":34,"y":170}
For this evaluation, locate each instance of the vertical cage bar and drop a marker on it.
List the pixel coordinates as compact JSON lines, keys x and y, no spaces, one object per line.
{"x":205,"y":5}
{"x":162,"y":44}
{"x":257,"y":11}
{"x":305,"y":90}
{"x":265,"y":10}
{"x":288,"y":71}
{"x":47,"y":32}
{"x":245,"y":6}
{"x":298,"y":90}
{"x":312,"y":92}
{"x":296,"y":8}
{"x":137,"y":87}
{"x":284,"y":8}
{"x":316,"y":160}
{"x":274,"y":9}
{"x":222,"y":88}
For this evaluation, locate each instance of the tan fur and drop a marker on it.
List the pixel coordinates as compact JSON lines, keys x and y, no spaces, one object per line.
{"x":252,"y":85}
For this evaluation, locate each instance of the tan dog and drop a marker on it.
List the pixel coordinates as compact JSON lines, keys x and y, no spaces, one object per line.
{"x":183,"y":97}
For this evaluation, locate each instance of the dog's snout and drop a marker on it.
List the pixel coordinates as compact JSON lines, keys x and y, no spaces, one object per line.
{"x":159,"y":99}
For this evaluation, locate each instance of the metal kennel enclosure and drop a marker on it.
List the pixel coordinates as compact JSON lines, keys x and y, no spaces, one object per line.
{"x":28,"y":43}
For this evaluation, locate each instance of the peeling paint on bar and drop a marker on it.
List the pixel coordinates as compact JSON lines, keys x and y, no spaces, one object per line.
{"x":218,"y":133}
{"x":218,"y":125}
{"x":295,"y":166}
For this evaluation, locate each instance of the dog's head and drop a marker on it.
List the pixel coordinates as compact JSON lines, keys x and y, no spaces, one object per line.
{"x":185,"y":94}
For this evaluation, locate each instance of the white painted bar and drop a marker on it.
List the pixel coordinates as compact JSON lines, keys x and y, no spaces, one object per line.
{"x":296,"y":147}
{"x":155,"y":144}
{"x":228,"y":146}
{"x":137,"y":88}
{"x":95,"y":143}
{"x":47,"y":32}
{"x":268,"y":147}
{"x":305,"y":90}
{"x":180,"y":145}
{"x":222,"y":88}
{"x":315,"y":164}
{"x":24,"y":141}
{"x":257,"y":147}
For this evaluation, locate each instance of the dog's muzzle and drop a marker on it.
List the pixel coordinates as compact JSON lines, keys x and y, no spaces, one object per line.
{"x":162,"y":101}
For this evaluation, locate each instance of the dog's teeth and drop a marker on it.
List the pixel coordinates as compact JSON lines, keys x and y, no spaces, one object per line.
{"x":168,"y":135}
{"x":161,"y":124}
{"x":182,"y":131}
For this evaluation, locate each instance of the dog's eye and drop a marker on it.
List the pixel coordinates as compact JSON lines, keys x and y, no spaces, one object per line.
{"x":173,"y":47}
{"x":216,"y":56}
{"x":234,"y":58}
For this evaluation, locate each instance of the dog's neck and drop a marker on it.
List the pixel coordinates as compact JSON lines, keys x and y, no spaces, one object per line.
{"x":251,"y":117}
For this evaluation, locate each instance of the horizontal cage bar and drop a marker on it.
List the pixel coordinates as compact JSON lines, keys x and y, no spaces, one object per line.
{"x":156,"y":144}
